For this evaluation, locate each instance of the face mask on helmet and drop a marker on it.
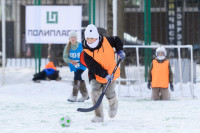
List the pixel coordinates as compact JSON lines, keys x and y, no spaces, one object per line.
{"x":161,"y":53}
{"x":161,"y":57}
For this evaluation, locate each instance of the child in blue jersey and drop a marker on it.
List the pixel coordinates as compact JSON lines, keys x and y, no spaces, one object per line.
{"x":71,"y":55}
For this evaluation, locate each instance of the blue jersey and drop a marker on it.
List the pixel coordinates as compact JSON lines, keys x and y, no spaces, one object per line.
{"x":49,"y":71}
{"x":75,"y":55}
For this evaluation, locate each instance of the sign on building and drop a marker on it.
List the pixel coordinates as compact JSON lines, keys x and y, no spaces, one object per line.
{"x":52,"y":24}
{"x":175,"y":19}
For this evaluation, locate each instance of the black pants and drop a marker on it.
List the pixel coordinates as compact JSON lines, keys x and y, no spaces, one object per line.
{"x":77,"y":74}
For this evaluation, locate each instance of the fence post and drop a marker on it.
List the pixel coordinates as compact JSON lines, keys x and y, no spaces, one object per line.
{"x":90,"y":2}
{"x":149,"y":31}
{"x":93,"y":13}
{"x":37,"y":49}
{"x":147,"y":34}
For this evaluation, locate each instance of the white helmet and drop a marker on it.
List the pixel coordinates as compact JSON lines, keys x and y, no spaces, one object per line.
{"x":161,"y":49}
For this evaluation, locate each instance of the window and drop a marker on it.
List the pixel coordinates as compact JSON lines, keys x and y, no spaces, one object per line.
{"x":85,"y":9}
{"x":8,"y":10}
{"x":157,"y":3}
{"x":192,"y":3}
{"x":132,"y":3}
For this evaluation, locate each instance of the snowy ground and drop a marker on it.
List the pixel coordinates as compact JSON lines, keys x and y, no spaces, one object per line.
{"x":27,"y":107}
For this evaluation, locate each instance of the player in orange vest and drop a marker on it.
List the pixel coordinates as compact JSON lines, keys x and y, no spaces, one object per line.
{"x":99,"y":56}
{"x":160,"y":75}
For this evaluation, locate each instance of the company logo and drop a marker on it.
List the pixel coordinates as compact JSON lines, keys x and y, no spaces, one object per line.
{"x":52,"y":17}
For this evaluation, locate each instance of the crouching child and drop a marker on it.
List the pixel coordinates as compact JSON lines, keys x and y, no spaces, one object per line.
{"x":49,"y":73}
{"x":160,"y":75}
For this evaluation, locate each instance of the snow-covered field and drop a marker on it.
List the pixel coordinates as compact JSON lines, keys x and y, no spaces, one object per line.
{"x":28,"y":107}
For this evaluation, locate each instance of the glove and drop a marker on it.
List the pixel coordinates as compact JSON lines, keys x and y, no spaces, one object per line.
{"x":171,"y":87}
{"x":121,"y":54}
{"x":149,"y":85}
{"x":109,"y":77}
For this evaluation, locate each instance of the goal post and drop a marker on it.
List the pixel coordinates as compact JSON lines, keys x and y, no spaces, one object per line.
{"x":178,"y":47}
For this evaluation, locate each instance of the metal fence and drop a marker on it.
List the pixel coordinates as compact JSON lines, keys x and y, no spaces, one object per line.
{"x":173,"y":22}
{"x":15,"y":30}
{"x":184,"y":24}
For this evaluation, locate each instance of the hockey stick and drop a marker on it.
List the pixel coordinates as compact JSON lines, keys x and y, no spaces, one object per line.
{"x":102,"y":94}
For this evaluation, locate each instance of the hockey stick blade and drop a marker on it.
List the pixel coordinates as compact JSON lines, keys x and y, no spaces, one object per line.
{"x":102,"y":94}
{"x":94,"y":107}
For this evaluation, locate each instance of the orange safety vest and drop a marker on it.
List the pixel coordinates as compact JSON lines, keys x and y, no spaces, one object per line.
{"x":160,"y":74}
{"x":50,"y":65}
{"x":105,"y":56}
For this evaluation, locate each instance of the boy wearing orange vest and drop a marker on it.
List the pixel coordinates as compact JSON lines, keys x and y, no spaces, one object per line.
{"x":160,"y":75}
{"x":99,"y":56}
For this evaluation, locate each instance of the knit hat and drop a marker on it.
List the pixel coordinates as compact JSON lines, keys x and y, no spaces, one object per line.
{"x":91,"y":31}
{"x":72,"y":33}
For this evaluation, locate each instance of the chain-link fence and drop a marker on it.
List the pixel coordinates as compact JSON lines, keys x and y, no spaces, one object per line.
{"x":172,"y":22}
{"x":16,"y":46}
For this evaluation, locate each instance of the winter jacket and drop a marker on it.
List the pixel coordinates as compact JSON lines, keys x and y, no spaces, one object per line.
{"x":160,"y":73}
{"x":100,"y":60}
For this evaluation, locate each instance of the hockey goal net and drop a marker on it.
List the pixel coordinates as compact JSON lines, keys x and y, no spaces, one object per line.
{"x":181,"y":61}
